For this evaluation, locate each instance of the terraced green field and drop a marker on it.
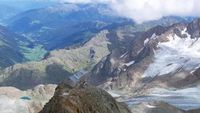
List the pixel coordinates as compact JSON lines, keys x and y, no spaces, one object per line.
{"x":33,"y":54}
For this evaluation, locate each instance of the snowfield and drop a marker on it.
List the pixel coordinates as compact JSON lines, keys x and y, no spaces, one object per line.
{"x":177,"y":53}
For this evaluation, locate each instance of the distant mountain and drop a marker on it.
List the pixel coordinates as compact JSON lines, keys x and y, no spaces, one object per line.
{"x":7,"y":12}
{"x":10,"y":48}
{"x":62,"y":25}
{"x":164,"y":21}
{"x":8,"y":9}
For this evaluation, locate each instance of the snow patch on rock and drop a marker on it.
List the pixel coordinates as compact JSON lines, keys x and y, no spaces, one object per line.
{"x":154,"y":36}
{"x":146,"y":41}
{"x":123,"y":55}
{"x":130,"y":63}
{"x":113,"y":94}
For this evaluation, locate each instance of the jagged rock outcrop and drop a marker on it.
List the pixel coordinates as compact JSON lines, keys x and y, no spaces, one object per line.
{"x":83,"y":99}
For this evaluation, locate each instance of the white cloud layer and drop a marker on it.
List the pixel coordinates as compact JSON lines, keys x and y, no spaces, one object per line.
{"x":145,"y":10}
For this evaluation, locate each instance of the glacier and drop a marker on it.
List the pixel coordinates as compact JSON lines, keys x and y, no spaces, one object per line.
{"x":177,"y":53}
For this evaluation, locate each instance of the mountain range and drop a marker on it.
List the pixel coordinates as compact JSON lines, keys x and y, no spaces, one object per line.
{"x":159,"y":63}
{"x":94,"y":56}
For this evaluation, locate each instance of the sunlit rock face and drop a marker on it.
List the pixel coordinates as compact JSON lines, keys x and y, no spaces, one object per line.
{"x":13,"y":100}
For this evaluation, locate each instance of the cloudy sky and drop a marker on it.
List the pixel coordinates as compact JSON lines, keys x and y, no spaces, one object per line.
{"x":144,"y":10}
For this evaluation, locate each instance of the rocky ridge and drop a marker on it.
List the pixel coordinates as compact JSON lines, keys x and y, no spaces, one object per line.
{"x":83,"y":99}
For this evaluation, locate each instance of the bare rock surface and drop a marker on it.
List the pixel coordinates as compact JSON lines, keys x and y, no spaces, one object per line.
{"x":13,"y":100}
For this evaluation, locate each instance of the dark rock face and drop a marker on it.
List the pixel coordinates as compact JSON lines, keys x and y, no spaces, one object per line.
{"x":82,"y":99}
{"x":194,"y":28}
{"x":100,"y":75}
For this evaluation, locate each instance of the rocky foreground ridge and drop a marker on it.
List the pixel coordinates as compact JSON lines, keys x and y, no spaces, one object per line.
{"x":83,"y":99}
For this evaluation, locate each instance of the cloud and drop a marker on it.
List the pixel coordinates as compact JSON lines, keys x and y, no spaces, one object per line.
{"x":145,"y":10}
